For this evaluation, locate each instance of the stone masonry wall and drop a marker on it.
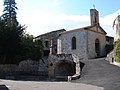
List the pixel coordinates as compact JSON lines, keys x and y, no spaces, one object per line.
{"x":54,"y":60}
{"x":65,"y":43}
{"x":50,"y":36}
{"x":24,"y":67}
{"x":92,"y":36}
{"x":7,"y":69}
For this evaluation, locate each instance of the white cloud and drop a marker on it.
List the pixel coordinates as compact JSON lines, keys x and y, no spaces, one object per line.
{"x":1,"y":7}
{"x":40,"y":22}
{"x":107,"y":22}
{"x":56,"y":2}
{"x":44,"y":22}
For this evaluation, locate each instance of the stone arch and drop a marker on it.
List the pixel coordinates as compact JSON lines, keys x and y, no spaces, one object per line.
{"x":73,"y":42}
{"x":64,"y":68}
{"x":97,"y":47}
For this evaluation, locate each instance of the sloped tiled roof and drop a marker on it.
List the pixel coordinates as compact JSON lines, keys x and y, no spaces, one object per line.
{"x":84,"y":28}
{"x":60,"y":30}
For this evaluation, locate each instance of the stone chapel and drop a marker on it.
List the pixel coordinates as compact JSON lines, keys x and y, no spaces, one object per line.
{"x":85,"y":42}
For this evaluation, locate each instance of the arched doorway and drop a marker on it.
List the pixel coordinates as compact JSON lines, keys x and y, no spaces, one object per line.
{"x":97,"y":47}
{"x":64,"y":68}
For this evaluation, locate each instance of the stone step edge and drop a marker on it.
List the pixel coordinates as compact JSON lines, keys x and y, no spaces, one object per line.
{"x":74,"y":77}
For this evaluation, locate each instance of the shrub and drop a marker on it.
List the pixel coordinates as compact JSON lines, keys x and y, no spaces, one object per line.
{"x":116,"y":54}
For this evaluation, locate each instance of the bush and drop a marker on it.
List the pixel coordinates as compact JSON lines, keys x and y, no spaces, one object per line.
{"x":116,"y":54}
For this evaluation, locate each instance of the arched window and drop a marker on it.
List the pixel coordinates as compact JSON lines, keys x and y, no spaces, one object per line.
{"x":73,"y":43}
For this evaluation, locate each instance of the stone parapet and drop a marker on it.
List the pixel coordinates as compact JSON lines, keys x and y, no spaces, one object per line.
{"x":56,"y":64}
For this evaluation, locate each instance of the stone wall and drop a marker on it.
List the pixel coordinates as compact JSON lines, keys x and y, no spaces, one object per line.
{"x":63,"y":66}
{"x":85,"y":42}
{"x":25,"y":67}
{"x":7,"y":69}
{"x":65,"y":43}
{"x":53,"y":60}
{"x":92,"y":36}
{"x":110,"y":57}
{"x":43,"y":66}
{"x":28,"y":67}
{"x":50,"y":36}
{"x":55,"y":65}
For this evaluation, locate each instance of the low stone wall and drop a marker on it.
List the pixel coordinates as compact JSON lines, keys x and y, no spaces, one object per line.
{"x":24,"y":67}
{"x":28,"y":65}
{"x":115,"y":63}
{"x":7,"y":69}
{"x":110,"y":57}
{"x":78,"y":69}
{"x":57,"y":57}
{"x":43,"y":66}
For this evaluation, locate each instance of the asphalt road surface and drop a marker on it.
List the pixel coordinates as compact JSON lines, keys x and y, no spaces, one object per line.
{"x":100,"y":73}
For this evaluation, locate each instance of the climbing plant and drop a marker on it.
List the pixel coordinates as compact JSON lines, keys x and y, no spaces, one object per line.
{"x":116,"y":54}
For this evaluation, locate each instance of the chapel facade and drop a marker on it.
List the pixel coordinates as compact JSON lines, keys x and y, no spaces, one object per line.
{"x":86,"y":42}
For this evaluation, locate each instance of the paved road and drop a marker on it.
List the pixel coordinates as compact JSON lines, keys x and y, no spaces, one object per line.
{"x":27,"y":85}
{"x":100,"y":73}
{"x":96,"y":75}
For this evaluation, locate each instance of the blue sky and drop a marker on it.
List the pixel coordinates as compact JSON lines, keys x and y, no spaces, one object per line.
{"x":43,"y":16}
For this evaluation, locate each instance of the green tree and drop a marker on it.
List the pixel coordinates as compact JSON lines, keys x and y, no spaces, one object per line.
{"x":11,"y":33}
{"x":116,"y":55}
{"x":10,"y":8}
{"x":10,"y":13}
{"x":32,"y":49}
{"x":10,"y":43}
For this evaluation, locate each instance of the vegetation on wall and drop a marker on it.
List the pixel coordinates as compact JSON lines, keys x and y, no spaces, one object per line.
{"x":116,"y":55}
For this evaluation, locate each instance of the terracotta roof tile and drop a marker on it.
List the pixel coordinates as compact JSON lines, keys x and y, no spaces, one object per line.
{"x":83,"y":28}
{"x":77,"y":29}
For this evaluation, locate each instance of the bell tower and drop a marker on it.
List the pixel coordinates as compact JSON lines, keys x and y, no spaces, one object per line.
{"x":116,"y":27}
{"x":94,"y":17}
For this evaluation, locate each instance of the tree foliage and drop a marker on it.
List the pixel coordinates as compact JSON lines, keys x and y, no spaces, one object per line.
{"x":9,"y":13}
{"x":10,"y":46}
{"x":32,"y":48}
{"x":11,"y":33}
{"x":116,"y":55}
{"x":15,"y":45}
